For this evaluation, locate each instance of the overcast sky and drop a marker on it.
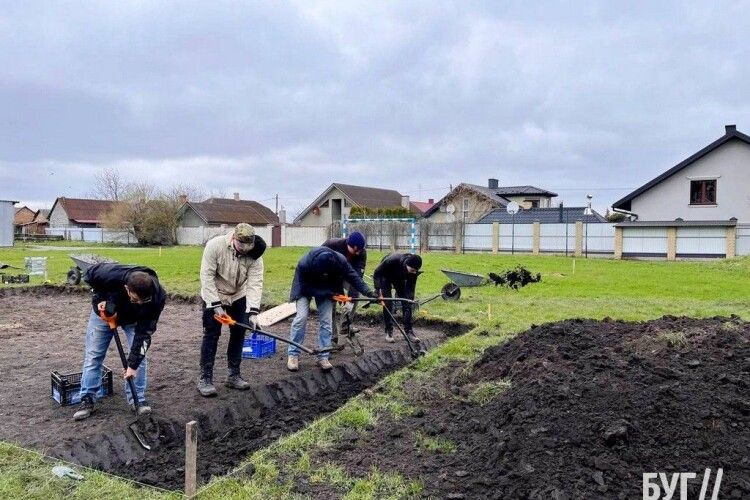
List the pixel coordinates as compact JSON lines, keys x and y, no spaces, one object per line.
{"x":271,"y":97}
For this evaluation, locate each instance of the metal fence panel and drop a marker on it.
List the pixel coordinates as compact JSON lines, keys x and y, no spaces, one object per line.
{"x":743,"y":239}
{"x":553,"y":237}
{"x":599,"y":238}
{"x":7,"y":212}
{"x":522,"y":240}
{"x":644,"y":240}
{"x":303,"y":236}
{"x":701,"y":240}
{"x":478,"y":237}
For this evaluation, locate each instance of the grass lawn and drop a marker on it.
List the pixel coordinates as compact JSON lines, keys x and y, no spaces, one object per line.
{"x":592,"y":288}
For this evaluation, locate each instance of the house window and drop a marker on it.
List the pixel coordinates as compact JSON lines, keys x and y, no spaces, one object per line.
{"x":325,"y":204}
{"x":703,"y":192}
{"x":532,"y":203}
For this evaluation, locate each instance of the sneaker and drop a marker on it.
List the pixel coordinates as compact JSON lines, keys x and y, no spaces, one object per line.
{"x":206,"y":387}
{"x":86,"y":409}
{"x":354,"y":329}
{"x":235,"y":381}
{"x":413,"y":338}
{"x":324,"y":364}
{"x":389,"y":337}
{"x":143,"y":408}
{"x":292,"y":363}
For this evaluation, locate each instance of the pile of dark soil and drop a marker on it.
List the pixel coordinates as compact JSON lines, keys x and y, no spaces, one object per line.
{"x":515,"y":278}
{"x":591,"y":406}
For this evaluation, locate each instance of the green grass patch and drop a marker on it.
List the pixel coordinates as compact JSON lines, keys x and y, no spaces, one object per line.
{"x":378,"y":485}
{"x":434,"y":444}
{"x":674,"y":339}
{"x":487,"y":391}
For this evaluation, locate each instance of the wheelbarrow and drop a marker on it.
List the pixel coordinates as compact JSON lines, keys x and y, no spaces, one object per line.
{"x":465,"y":279}
{"x":82,"y":263}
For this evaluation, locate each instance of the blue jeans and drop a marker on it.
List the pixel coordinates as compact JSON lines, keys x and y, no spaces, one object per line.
{"x":98,"y":337}
{"x":325,"y":318}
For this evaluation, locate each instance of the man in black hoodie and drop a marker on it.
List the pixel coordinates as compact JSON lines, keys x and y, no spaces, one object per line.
{"x":136,"y":296}
{"x":399,"y":272}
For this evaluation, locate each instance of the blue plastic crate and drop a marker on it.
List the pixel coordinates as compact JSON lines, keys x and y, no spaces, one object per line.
{"x":258,"y":346}
{"x":66,"y":389}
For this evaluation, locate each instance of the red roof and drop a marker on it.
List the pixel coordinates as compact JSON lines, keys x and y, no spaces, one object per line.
{"x":230,"y":211}
{"x":84,"y":211}
{"x":420,"y":207}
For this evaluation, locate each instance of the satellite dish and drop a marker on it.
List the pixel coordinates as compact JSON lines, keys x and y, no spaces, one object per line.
{"x":450,"y":218}
{"x":512,"y":208}
{"x":450,"y":208}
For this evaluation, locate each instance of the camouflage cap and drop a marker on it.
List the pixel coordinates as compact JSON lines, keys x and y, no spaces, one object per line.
{"x":244,"y":233}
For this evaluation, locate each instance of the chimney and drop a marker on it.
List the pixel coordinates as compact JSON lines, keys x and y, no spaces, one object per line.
{"x":282,"y":216}
{"x":431,"y":201}
{"x":236,"y":196}
{"x":492,"y":183}
{"x":405,"y":201}
{"x":730,"y":129}
{"x":183,"y":199}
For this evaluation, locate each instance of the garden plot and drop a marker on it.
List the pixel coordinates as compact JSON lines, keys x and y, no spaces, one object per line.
{"x":43,"y":329}
{"x":576,"y":409}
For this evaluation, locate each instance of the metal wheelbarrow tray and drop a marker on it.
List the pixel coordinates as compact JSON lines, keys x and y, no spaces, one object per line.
{"x":82,"y":262}
{"x":465,"y":279}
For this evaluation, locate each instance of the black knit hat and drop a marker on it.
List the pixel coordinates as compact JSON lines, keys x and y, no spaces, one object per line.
{"x":413,"y":261}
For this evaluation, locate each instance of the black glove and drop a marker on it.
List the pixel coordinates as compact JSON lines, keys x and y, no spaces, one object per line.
{"x":219,"y":310}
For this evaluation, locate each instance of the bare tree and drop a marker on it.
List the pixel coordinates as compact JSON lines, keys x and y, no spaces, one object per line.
{"x":109,"y":185}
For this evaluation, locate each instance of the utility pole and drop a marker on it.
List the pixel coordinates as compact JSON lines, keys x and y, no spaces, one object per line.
{"x":277,"y":204}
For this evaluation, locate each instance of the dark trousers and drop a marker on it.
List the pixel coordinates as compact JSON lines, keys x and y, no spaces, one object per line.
{"x":385,"y":287}
{"x":212,"y":332}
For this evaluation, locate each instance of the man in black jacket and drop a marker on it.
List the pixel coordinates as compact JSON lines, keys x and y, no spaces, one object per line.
{"x":320,"y":274}
{"x":398,"y":271}
{"x":353,"y":249}
{"x":137,"y":298}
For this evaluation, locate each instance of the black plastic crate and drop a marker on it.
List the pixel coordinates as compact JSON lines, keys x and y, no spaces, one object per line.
{"x":66,"y":389}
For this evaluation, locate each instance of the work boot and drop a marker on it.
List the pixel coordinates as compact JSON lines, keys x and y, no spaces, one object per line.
{"x":235,"y":381}
{"x":354,"y":329}
{"x":389,"y":337}
{"x":413,"y":338}
{"x":324,"y":364}
{"x":292,"y":363}
{"x":86,"y":409}
{"x":143,"y":408}
{"x":206,"y":386}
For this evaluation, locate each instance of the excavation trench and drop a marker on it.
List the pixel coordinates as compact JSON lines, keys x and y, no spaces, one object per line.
{"x":231,"y":426}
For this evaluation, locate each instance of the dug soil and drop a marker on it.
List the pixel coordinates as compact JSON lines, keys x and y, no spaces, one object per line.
{"x":571,"y":410}
{"x":43,"y":330}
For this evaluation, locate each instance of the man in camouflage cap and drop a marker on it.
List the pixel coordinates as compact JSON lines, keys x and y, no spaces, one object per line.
{"x":231,"y":282}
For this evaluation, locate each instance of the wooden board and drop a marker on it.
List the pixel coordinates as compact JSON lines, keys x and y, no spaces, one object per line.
{"x":276,"y":314}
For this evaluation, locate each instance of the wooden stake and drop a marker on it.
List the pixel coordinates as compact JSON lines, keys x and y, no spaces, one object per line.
{"x":159,"y":251}
{"x":489,"y":311}
{"x":191,"y":458}
{"x":574,"y":266}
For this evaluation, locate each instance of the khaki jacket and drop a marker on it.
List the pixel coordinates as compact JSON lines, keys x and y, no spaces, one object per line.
{"x":227,"y":277}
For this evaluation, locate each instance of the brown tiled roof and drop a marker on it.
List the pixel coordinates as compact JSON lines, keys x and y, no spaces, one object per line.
{"x":23,"y":215}
{"x":229,"y":211}
{"x":85,"y":211}
{"x":371,"y":197}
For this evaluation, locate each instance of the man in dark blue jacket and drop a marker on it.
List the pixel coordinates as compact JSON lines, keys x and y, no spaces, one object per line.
{"x":353,"y":249}
{"x":399,"y":272}
{"x":319,"y":274}
{"x":137,"y":297}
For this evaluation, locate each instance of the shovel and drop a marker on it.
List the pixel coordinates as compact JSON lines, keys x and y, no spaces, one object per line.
{"x":226,"y":319}
{"x":134,"y":426}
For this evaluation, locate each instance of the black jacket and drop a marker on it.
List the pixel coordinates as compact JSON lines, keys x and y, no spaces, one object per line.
{"x":321,"y":273}
{"x":392,"y":271}
{"x":358,"y":262}
{"x":108,"y":285}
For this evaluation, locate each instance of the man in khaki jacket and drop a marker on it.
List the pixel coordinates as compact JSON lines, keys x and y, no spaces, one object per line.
{"x":231,"y":282}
